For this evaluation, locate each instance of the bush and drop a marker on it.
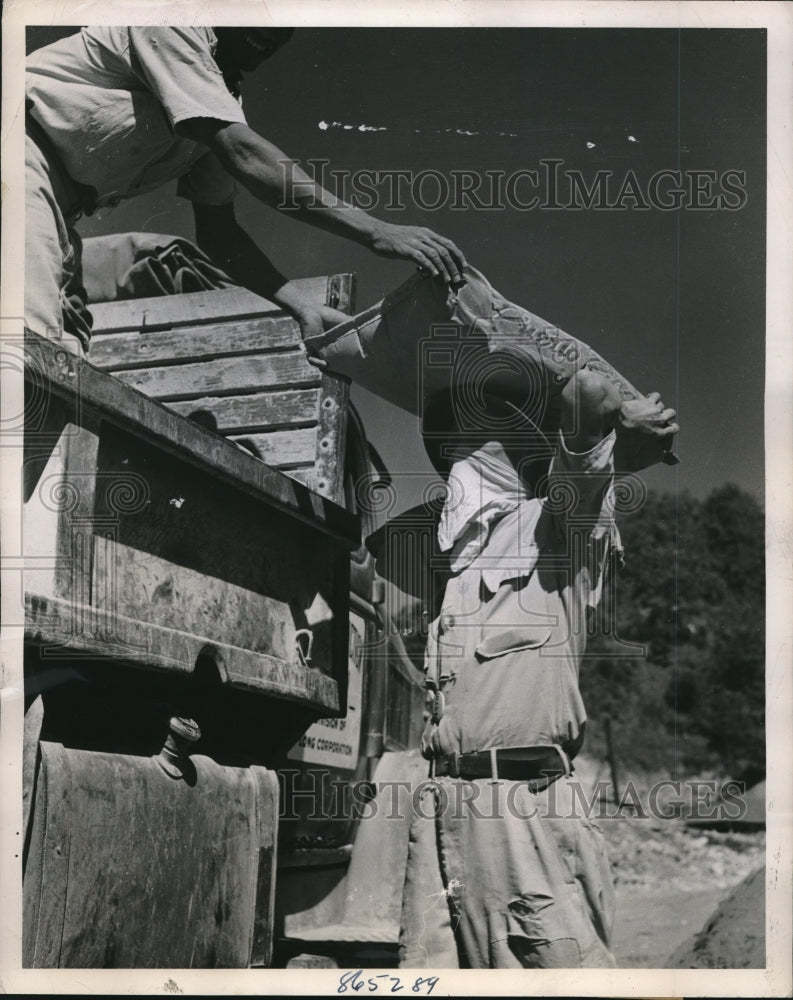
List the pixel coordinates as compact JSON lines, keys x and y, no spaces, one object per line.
{"x":678,"y":652}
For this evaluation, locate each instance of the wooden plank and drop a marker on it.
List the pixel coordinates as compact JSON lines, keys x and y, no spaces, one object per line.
{"x":47,"y":872}
{"x":198,"y":558}
{"x":113,"y":352}
{"x":88,"y":631}
{"x":223,"y":377}
{"x":332,"y":438}
{"x":143,"y":586}
{"x":42,"y":516}
{"x":290,"y":448}
{"x":74,"y":379}
{"x":305,"y":475}
{"x":75,"y":523}
{"x":162,"y":872}
{"x":58,"y":514}
{"x":34,"y":718}
{"x":259,"y":411}
{"x":267,"y":827}
{"x":193,"y":307}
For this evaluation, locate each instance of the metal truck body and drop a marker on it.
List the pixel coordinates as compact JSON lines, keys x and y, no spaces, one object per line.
{"x":177,"y":584}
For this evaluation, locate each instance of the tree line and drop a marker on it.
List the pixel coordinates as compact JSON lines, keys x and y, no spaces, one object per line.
{"x":677,"y":659}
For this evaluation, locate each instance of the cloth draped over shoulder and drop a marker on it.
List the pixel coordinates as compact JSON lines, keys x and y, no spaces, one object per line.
{"x":506,"y":644}
{"x":490,"y":521}
{"x":482,"y":487}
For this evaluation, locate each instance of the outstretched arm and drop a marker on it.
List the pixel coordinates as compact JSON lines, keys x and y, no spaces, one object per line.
{"x":276,"y":179}
{"x":229,"y":246}
{"x":592,"y":407}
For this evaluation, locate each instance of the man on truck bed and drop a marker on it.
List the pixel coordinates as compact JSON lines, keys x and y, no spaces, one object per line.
{"x":501,"y":835}
{"x":113,"y":112}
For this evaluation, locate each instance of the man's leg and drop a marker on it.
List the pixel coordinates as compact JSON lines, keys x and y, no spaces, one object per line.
{"x":426,"y":939}
{"x":523,"y":884}
{"x":50,"y":259}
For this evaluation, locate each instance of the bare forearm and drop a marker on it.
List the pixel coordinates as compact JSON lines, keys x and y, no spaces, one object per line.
{"x":276,"y":179}
{"x":229,"y":246}
{"x":590,"y":409}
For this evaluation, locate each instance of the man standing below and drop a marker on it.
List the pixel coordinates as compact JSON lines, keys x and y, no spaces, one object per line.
{"x":112,"y":112}
{"x":500,"y":834}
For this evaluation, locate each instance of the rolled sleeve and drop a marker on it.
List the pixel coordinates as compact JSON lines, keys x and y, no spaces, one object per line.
{"x":178,"y":66}
{"x":581,"y":493}
{"x":580,"y":479}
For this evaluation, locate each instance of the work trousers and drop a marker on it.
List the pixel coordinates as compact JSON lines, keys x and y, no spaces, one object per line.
{"x":53,"y":268}
{"x":501,"y":877}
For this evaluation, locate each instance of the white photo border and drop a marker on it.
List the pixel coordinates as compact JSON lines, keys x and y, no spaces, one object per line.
{"x":775,"y":980}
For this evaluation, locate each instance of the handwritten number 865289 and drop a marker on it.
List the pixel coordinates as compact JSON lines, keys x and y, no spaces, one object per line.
{"x":385,"y":983}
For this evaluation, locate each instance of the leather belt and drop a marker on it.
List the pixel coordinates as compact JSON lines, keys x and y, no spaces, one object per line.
{"x":509,"y":763}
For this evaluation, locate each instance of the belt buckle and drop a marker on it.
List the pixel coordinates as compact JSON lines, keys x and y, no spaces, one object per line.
{"x":454,"y":764}
{"x":546,"y":778}
{"x":494,"y":765}
{"x":568,"y":767}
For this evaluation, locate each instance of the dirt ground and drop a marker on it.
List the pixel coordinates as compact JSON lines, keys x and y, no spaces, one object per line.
{"x":730,"y":939}
{"x":670,"y":879}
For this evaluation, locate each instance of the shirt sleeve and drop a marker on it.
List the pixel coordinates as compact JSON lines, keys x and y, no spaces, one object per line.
{"x":178,"y":65}
{"x":581,"y":480}
{"x":581,"y":497}
{"x":207,"y":182}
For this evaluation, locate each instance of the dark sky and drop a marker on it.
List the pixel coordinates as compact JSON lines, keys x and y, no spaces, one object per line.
{"x":674,"y":299}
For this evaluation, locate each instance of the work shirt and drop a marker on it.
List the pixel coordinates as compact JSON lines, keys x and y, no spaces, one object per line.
{"x":506,"y":645}
{"x":110,"y":99}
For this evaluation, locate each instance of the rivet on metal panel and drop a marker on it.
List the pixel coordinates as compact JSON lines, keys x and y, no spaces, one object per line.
{"x":182,"y":733}
{"x":64,"y":361}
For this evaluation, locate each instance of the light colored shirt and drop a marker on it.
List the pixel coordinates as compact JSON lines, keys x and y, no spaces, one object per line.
{"x":110,"y":98}
{"x":481,"y":488}
{"x":512,"y":626}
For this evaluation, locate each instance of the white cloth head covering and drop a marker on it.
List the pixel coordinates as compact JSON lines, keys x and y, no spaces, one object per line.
{"x":483,"y":486}
{"x":488,"y":505}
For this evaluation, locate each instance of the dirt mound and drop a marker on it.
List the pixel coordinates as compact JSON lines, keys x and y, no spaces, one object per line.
{"x":734,"y":935}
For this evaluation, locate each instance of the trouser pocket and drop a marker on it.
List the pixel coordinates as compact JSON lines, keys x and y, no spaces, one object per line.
{"x":541,"y":931}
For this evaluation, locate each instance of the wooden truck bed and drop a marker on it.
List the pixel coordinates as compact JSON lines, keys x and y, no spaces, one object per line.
{"x":234,"y":362}
{"x":172,"y":576}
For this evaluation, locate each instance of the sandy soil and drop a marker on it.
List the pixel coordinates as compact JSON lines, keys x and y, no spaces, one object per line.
{"x":732,"y":937}
{"x":670,"y":880}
